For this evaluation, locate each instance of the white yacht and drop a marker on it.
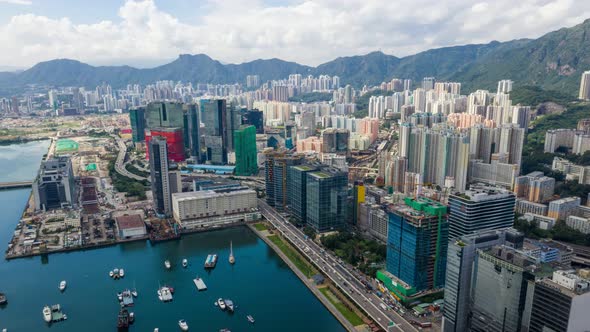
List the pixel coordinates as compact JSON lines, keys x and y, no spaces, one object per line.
{"x":232,"y":259}
{"x":184,"y":262}
{"x":111,"y":273}
{"x":221,"y":303}
{"x":121,"y":273}
{"x":47,"y":314}
{"x":62,"y":285}
{"x":167,"y":264}
{"x":183,"y":325}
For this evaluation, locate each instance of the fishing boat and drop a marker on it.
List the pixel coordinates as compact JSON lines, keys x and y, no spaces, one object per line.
{"x":164,"y":294}
{"x":250,"y":319}
{"x":221,"y":303}
{"x":62,"y":285}
{"x":3,"y":299}
{"x":47,"y":314}
{"x":131,"y":317}
{"x":123,"y":320}
{"x":184,"y":263}
{"x":232,"y":259}
{"x":126,"y":298}
{"x":167,"y":264}
{"x":183,"y":325}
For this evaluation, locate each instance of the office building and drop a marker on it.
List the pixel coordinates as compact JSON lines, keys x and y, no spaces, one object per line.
{"x":585,"y":86}
{"x":298,"y":190}
{"x":358,"y":197}
{"x":254,"y":118}
{"x":246,"y":154}
{"x":327,"y":193}
{"x":504,"y":280}
{"x":459,"y":274}
{"x":55,"y":185}
{"x":417,"y":241}
{"x":562,"y":208}
{"x":276,"y":164}
{"x":209,"y":207}
{"x":164,"y":114}
{"x":561,"y":303}
{"x":215,"y":133}
{"x":480,"y":208}
{"x":137,"y":120}
{"x":193,"y":134}
{"x":160,"y":181}
{"x":173,"y":138}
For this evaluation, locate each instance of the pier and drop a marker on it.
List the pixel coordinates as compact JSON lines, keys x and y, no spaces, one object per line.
{"x":15,"y":185}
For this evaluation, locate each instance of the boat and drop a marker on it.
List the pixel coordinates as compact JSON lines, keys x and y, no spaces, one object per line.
{"x":229,"y":304}
{"x":225,"y":330}
{"x":62,"y":285}
{"x":123,"y":320}
{"x":116,"y":272}
{"x":131,"y":317}
{"x":221,"y":303}
{"x":134,"y":292}
{"x":156,"y":330}
{"x":167,"y":264}
{"x":183,"y":325}
{"x":211,"y":261}
{"x":3,"y":299}
{"x":47,"y":314}
{"x":200,"y":284}
{"x":111,"y":273}
{"x":164,"y":294}
{"x":232,"y":259}
{"x":120,"y":297}
{"x":250,"y":319}
{"x":184,"y":262}
{"x":126,"y":298}
{"x":121,"y":273}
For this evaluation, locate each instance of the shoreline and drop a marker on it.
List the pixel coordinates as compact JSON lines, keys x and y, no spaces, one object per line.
{"x":310,"y":285}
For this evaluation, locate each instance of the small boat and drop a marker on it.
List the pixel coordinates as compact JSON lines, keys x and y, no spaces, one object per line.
{"x":221,"y":303}
{"x":120,"y":296}
{"x":62,"y":285}
{"x":121,"y":273}
{"x":229,"y":304}
{"x":134,"y":292}
{"x":126,"y":298}
{"x":183,"y":325}
{"x":116,"y":272}
{"x":164,"y":294}
{"x":123,"y":320}
{"x":47,"y":314}
{"x":211,"y":261}
{"x":167,"y":264}
{"x":3,"y":299}
{"x":131,"y":317}
{"x":156,"y":330}
{"x":225,"y":330}
{"x":250,"y":319}
{"x":111,"y":273}
{"x":184,"y":262}
{"x":232,"y":259}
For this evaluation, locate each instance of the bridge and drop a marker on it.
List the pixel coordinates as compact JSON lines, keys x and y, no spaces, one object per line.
{"x":15,"y":185}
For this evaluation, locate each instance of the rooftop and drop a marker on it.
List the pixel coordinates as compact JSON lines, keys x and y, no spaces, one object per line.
{"x":129,"y":221}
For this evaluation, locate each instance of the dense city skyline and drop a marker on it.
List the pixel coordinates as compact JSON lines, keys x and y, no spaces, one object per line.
{"x":309,"y":32}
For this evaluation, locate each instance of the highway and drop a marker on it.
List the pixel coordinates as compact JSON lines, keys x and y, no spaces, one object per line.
{"x":120,"y":163}
{"x":349,"y":282}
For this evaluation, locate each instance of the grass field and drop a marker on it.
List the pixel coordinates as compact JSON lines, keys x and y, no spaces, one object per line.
{"x":260,"y":226}
{"x":305,"y":267}
{"x":350,"y":315}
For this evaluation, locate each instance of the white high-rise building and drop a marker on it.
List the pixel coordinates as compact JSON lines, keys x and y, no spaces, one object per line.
{"x":585,"y":86}
{"x":505,"y":86}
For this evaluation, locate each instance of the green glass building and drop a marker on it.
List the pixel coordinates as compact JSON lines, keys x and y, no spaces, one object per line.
{"x":327,"y":194}
{"x":137,"y":119}
{"x":245,"y":147}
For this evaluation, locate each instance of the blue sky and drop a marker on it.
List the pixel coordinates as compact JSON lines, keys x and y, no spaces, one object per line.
{"x":150,"y":32}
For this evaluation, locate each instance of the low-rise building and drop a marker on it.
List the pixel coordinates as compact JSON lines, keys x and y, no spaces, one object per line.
{"x":130,"y":226}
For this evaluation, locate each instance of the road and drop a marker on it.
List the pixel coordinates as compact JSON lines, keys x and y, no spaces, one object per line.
{"x":347,"y":281}
{"x":120,"y":163}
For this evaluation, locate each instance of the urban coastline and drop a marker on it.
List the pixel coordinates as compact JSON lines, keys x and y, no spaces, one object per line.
{"x":423,"y":208}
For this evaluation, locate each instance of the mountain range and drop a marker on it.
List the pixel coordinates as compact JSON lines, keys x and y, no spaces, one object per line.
{"x":554,"y":61}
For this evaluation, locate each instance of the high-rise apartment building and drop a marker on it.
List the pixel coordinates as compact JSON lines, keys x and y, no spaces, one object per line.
{"x":55,"y":186}
{"x":252,"y":81}
{"x":246,"y":154}
{"x":505,"y":86}
{"x":585,"y":86}
{"x":137,"y":120}
{"x":561,"y":303}
{"x":335,"y":141}
{"x":459,"y":273}
{"x":417,"y":241}
{"x":428,"y":83}
{"x":504,"y":279}
{"x":160,"y":182}
{"x":480,"y":208}
{"x":327,"y":193}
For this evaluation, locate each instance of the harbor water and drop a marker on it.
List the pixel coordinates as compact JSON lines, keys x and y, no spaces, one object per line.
{"x":260,"y":283}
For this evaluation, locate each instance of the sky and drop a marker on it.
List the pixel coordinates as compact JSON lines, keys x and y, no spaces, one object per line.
{"x":146,"y":33}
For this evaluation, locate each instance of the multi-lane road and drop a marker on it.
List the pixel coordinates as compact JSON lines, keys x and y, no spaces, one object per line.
{"x":120,"y":162}
{"x":348,"y":281}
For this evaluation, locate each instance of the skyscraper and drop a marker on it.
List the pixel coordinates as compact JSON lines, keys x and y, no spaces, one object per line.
{"x":458,"y":282}
{"x":504,"y":86}
{"x":219,"y":123}
{"x":161,"y":193}
{"x":585,"y":86}
{"x":276,"y":167}
{"x":417,"y":242}
{"x":194,"y":127}
{"x":480,"y":208}
{"x":298,"y":190}
{"x":428,"y":83}
{"x":137,"y":120}
{"x":246,"y":154}
{"x":327,"y":192}
{"x":335,"y":141}
{"x":164,"y":114}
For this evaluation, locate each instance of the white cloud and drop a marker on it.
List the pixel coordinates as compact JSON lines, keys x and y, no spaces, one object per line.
{"x":17,"y":2}
{"x":308,"y":32}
